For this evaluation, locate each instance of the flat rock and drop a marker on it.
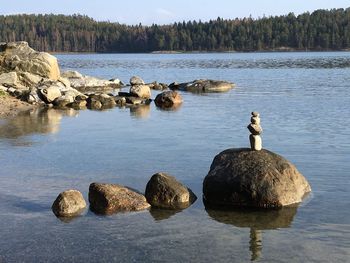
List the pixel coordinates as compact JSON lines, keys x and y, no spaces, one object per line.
{"x":111,"y":198}
{"x":165,"y":191}
{"x":241,"y":177}
{"x":203,"y":85}
{"x":68,"y":203}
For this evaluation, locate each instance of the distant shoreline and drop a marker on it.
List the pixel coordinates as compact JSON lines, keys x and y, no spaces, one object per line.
{"x":287,"y":50}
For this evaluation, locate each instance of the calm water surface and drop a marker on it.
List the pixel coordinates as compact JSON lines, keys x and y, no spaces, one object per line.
{"x":304,"y":103}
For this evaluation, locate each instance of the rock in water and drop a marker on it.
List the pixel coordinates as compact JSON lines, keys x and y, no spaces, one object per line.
{"x":141,"y":91}
{"x":168,"y":99}
{"x":19,"y":57}
{"x":203,"y":85}
{"x":165,"y":191}
{"x":69,"y":203}
{"x":110,"y":198}
{"x":241,"y":177}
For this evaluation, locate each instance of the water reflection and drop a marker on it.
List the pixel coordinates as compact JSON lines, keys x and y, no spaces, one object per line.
{"x":39,"y":120}
{"x":256,"y":220}
{"x":140,"y":111}
{"x":162,"y":214}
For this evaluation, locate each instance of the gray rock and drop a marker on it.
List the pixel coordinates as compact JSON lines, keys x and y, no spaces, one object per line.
{"x":255,"y":114}
{"x":63,"y":101}
{"x":69,"y":203}
{"x":94,"y":104}
{"x":203,"y":85}
{"x":120,"y":101}
{"x":9,"y":79}
{"x":106,"y":100}
{"x":134,"y":100}
{"x":255,"y":120}
{"x":72,"y":75}
{"x":241,"y":177}
{"x":168,"y":99}
{"x":165,"y":191}
{"x":135,"y":80}
{"x":111,"y":198}
{"x":141,"y":91}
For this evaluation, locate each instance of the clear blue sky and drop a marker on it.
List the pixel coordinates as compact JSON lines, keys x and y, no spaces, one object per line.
{"x":163,"y":11}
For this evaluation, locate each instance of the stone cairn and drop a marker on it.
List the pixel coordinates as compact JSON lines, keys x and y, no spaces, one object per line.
{"x":255,"y":130}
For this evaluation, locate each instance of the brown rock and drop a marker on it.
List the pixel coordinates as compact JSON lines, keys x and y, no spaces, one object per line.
{"x":68,"y":203}
{"x":168,"y":99}
{"x":141,"y":91}
{"x":110,"y":198}
{"x":241,"y":177}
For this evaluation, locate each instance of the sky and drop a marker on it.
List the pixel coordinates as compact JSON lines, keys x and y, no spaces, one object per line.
{"x":148,"y":12}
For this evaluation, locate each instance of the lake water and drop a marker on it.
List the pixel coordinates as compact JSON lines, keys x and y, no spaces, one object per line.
{"x":304,"y":103}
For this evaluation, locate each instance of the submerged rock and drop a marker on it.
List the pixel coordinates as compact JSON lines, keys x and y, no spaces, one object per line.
{"x":241,"y":177}
{"x":165,"y":191}
{"x":68,"y":203}
{"x":111,"y":198}
{"x":203,"y":85}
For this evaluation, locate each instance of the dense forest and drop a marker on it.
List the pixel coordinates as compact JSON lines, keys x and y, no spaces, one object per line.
{"x":320,"y":30}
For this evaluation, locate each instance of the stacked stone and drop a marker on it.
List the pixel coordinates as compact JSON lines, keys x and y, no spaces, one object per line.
{"x":255,"y":130}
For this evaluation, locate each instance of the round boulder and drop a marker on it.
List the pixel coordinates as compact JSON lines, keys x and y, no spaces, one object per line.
{"x":68,"y":203}
{"x":135,"y":80}
{"x":141,"y":91}
{"x":164,"y":191}
{"x":168,"y":99}
{"x":242,"y":177}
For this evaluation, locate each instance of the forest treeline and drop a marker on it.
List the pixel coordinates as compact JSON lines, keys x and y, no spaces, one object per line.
{"x":320,"y":30}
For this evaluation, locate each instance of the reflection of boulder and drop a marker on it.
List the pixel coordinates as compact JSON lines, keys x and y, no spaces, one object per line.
{"x":39,"y":120}
{"x":260,"y":219}
{"x":256,"y":220}
{"x":162,"y":214}
{"x":141,"y":111}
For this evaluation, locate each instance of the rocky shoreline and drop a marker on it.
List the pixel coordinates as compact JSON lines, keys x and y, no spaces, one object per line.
{"x":35,"y":78}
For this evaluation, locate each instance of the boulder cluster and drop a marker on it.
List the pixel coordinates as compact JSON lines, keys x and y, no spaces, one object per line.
{"x":163,"y":191}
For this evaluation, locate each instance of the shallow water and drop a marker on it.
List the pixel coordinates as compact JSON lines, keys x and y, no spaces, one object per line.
{"x":303,"y":99}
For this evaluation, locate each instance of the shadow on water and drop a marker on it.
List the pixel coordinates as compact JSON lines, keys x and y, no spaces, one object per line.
{"x":140,"y":111}
{"x":41,"y":120}
{"x":257,"y":221}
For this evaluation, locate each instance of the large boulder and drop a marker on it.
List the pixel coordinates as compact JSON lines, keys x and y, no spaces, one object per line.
{"x":68,"y":203}
{"x":241,"y":177}
{"x":141,"y":91}
{"x":168,"y":99}
{"x":19,"y":57}
{"x":111,"y":198}
{"x":164,"y":191}
{"x":203,"y":85}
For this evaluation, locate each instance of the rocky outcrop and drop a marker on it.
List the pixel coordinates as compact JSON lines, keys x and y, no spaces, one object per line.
{"x":168,"y":99}
{"x":203,"y":85}
{"x":157,"y":86}
{"x":111,"y":198}
{"x":165,"y":191}
{"x":69,"y":203}
{"x":241,"y":177}
{"x":19,"y":57}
